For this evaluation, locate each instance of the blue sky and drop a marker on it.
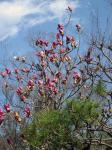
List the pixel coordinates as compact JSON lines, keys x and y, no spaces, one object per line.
{"x":22,"y":20}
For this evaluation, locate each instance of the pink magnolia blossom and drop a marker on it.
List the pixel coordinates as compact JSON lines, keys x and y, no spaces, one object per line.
{"x":55,"y":80}
{"x":47,"y":52}
{"x":78,"y":26}
{"x":68,"y":39}
{"x":29,"y":88}
{"x":40,"y":82}
{"x":46,"y":43}
{"x":60,"y":27}
{"x":7,"y":107}
{"x":55,"y":91}
{"x":17,"y":117}
{"x":54,"y":45}
{"x":10,"y":141}
{"x":4,"y":74}
{"x":16,"y":71}
{"x":40,"y":93}
{"x":60,"y":42}
{"x":62,"y":50}
{"x":34,"y":77}
{"x":41,"y":42}
{"x":23,"y":98}
{"x":41,"y":54}
{"x":1,"y":116}
{"x":25,"y":70}
{"x":43,"y":63}
{"x":68,"y":58}
{"x":28,"y":112}
{"x":73,"y":42}
{"x":61,"y":32}
{"x":77,"y":77}
{"x":8,"y":71}
{"x":51,"y":85}
{"x":62,"y":59}
{"x":19,"y":90}
{"x":53,"y":58}
{"x":58,"y":75}
{"x":30,"y":83}
{"x":38,"y":42}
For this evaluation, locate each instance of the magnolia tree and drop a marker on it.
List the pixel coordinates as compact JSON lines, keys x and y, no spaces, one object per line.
{"x":58,"y":72}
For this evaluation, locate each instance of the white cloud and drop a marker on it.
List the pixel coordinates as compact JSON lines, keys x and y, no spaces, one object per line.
{"x":17,"y":13}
